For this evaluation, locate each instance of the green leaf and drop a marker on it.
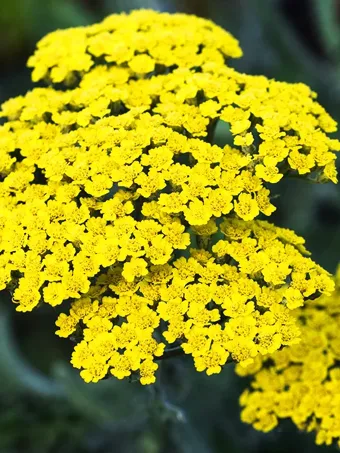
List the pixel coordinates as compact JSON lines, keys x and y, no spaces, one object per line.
{"x":15,"y":372}
{"x":326,"y":15}
{"x":110,"y":400}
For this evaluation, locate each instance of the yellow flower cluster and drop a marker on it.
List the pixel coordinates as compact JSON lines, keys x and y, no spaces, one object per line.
{"x":110,"y":173}
{"x":145,"y":41}
{"x":234,"y":301}
{"x":301,"y":382}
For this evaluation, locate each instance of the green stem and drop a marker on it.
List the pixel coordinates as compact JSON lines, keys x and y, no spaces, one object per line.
{"x":172,"y":352}
{"x":211,"y":131}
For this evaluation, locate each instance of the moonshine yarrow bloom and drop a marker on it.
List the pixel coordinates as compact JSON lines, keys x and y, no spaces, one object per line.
{"x":301,"y":382}
{"x":214,"y":310}
{"x":116,"y":204}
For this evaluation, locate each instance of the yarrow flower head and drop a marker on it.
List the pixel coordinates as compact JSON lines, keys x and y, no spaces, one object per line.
{"x":116,"y":203}
{"x":300,"y":382}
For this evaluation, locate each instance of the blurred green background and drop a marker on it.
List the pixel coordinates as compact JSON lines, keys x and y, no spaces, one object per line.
{"x":44,"y":405}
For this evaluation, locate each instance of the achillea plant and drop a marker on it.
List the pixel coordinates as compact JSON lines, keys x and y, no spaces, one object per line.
{"x":116,"y":203}
{"x":301,"y":382}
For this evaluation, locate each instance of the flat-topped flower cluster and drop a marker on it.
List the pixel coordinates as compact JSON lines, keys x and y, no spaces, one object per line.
{"x":116,"y":203}
{"x":216,"y":311}
{"x":301,"y":382}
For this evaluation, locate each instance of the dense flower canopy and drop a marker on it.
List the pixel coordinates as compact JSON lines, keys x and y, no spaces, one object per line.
{"x":143,"y":41}
{"x":301,"y":382}
{"x":115,"y":200}
{"x":211,"y":308}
